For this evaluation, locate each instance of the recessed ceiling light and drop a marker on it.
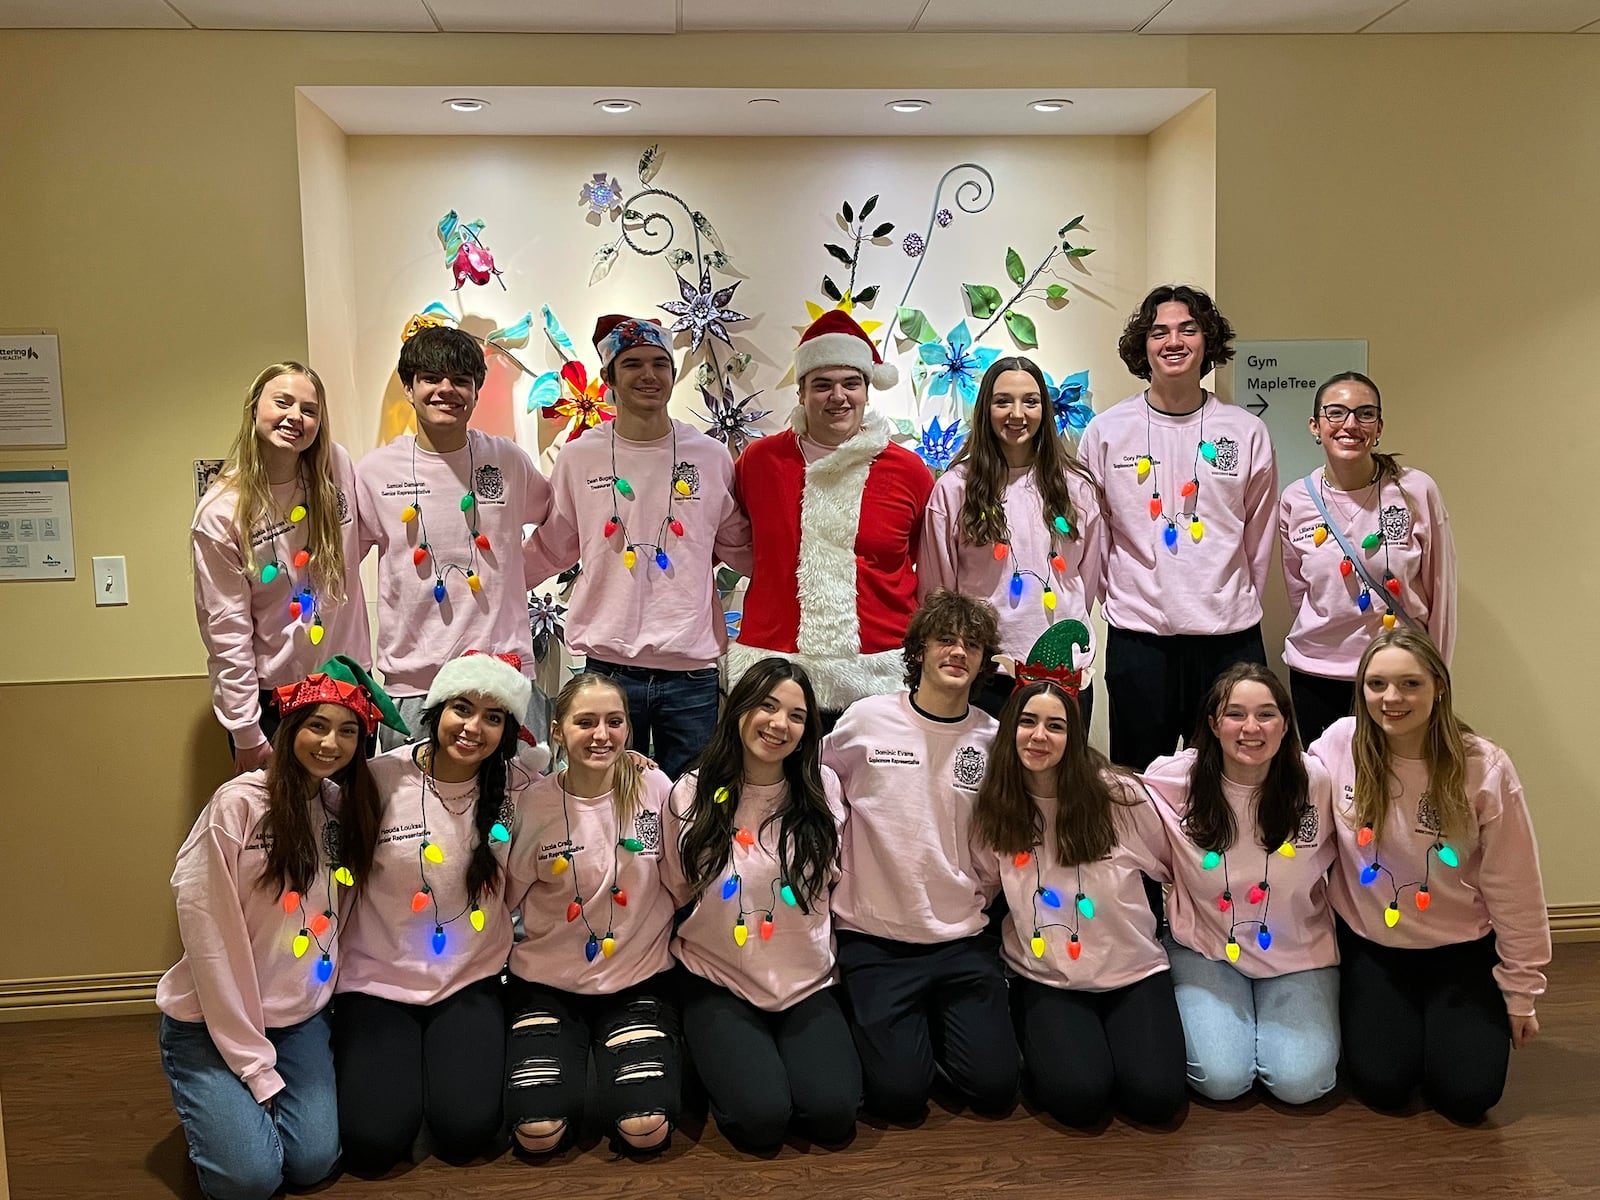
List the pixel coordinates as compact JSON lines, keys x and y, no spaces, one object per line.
{"x":908,"y":106}
{"x":763,"y":100}
{"x":467,"y":104}
{"x":1049,"y":105}
{"x":616,"y":105}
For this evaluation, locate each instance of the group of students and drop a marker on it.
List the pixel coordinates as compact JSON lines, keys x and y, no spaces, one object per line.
{"x":524,"y":954}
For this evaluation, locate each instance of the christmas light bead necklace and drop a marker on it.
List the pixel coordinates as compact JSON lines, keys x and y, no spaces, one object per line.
{"x":621,"y":487}
{"x":1145,"y":468}
{"x":1259,"y":895}
{"x":733,"y":885}
{"x":1058,"y":526}
{"x":1438,"y":848}
{"x":302,"y":598}
{"x":424,"y":551}
{"x":595,"y":945}
{"x":1082,"y":905}
{"x":324,"y":923}
{"x":1372,"y":541}
{"x":429,"y":852}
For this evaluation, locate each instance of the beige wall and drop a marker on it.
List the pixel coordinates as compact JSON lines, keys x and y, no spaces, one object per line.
{"x":1433,"y":195}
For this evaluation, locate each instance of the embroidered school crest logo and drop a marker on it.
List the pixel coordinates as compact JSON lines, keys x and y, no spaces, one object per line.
{"x":1306,"y":835}
{"x":333,"y":842}
{"x":647,"y":828}
{"x":344,"y":507}
{"x":690,"y":474}
{"x":968,"y":769}
{"x":1227,"y":454}
{"x":1427,"y":815}
{"x":489,"y":483}
{"x":1395,"y":523}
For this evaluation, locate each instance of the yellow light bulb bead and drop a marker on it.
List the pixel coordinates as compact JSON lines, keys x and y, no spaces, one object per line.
{"x":629,"y":558}
{"x":1143,"y":467}
{"x":1319,"y":535}
{"x":560,"y":865}
{"x":720,"y":796}
{"x":681,"y":486}
{"x":301,"y":944}
{"x":741,"y":932}
{"x":1233,"y":950}
{"x":408,"y":514}
{"x":1391,"y":916}
{"x":608,"y":946}
{"x":432,"y":853}
{"x":297,"y":513}
{"x":1037,"y":943}
{"x":1287,"y":850}
{"x":474,"y":582}
{"x":1049,"y":601}
{"x":343,"y":875}
{"x":476,"y":917}
{"x":1388,"y":620}
{"x":314,"y":634}
{"x":1196,"y":529}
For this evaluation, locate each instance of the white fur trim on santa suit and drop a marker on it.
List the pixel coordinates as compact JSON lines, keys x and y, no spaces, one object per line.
{"x":829,"y":637}
{"x":486,"y":676}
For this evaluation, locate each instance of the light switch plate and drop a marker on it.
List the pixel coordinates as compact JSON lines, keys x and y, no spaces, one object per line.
{"x":111,"y":580}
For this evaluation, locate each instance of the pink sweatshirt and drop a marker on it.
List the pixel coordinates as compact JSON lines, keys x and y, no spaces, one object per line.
{"x":1118,"y":943}
{"x":1295,"y":908}
{"x":639,"y":918}
{"x":417,"y":633}
{"x":238,"y":972}
{"x":1330,"y":630}
{"x":389,"y":945}
{"x":668,"y":619}
{"x":1496,"y":885}
{"x":945,"y":560}
{"x":796,"y":961}
{"x":1207,"y":587}
{"x":910,"y":782}
{"x":252,"y":643}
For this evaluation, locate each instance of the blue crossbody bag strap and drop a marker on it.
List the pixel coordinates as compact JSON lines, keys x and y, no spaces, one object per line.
{"x":1373,"y":585}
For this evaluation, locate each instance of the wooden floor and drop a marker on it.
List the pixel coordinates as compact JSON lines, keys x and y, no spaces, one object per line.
{"x":87,"y":1114}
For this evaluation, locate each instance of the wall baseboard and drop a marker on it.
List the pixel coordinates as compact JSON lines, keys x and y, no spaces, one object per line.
{"x":122,"y":995}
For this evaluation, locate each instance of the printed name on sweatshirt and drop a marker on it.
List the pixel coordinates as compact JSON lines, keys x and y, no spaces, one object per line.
{"x":263,"y":534}
{"x":400,"y":833}
{"x":1394,"y":522}
{"x":1427,"y":824}
{"x":966,"y":767}
{"x":686,"y":471}
{"x":489,"y":486}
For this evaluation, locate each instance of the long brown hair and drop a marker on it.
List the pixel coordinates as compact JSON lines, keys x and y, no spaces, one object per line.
{"x":626,"y":779}
{"x":808,"y":837}
{"x":1444,"y":746}
{"x":1008,"y":820}
{"x":983,"y":511}
{"x":293,"y":855}
{"x":246,"y":473}
{"x":1285,"y":795}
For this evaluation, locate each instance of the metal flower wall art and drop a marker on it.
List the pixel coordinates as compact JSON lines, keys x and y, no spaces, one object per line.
{"x":568,"y":393}
{"x":465,"y":254}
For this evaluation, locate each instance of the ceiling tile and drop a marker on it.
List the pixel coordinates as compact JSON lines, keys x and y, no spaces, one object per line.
{"x":376,"y":16}
{"x":556,"y":16}
{"x":881,"y":16}
{"x":1269,"y":16}
{"x":89,"y":14}
{"x":1037,"y":16}
{"x":1488,"y":16}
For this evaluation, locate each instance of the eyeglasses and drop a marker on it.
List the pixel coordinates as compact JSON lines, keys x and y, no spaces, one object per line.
{"x":1338,"y":414}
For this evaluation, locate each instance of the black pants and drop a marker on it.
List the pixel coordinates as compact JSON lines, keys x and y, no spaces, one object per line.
{"x":761,"y":1069}
{"x":997,"y":689}
{"x":1155,"y":686}
{"x":913,"y":1008}
{"x":1434,"y":1018}
{"x":638,"y":1060}
{"x":400,"y":1063}
{"x":1083,"y":1052}
{"x":1319,"y":702}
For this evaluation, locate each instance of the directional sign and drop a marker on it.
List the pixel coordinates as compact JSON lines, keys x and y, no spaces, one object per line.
{"x":1277,"y":381}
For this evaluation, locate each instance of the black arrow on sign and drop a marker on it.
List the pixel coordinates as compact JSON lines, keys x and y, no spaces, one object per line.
{"x":1260,"y":406}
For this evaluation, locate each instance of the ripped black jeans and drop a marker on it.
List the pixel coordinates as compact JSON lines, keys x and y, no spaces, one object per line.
{"x":636,"y":1039}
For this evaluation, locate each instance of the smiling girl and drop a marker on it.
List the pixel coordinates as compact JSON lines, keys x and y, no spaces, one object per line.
{"x":752,"y":842}
{"x":245,"y":1028}
{"x":274,"y":540}
{"x":1443,"y":929}
{"x":1251,"y":943}
{"x":419,"y":1033}
{"x":590,"y":978}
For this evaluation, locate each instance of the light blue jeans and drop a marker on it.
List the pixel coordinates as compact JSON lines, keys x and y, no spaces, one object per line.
{"x":1283,"y":1030}
{"x":240,"y":1149}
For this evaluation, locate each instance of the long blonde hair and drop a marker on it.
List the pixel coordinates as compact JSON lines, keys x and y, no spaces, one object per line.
{"x":1444,"y":743}
{"x":625,"y":781}
{"x":246,"y":473}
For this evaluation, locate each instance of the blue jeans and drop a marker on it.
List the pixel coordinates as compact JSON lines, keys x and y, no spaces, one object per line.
{"x":243,"y":1150}
{"x":1283,"y":1030}
{"x":671,"y":713}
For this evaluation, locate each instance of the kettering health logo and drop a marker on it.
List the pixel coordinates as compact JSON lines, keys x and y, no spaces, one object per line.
{"x":29,"y":352}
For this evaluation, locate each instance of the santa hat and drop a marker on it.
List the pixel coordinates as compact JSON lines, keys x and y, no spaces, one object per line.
{"x":835,"y":340}
{"x":342,"y":681}
{"x":496,"y":677}
{"x":614,"y":333}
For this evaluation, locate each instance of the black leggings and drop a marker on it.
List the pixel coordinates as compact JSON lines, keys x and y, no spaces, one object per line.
{"x":1319,"y":702}
{"x":762,"y":1068}
{"x":634,"y":1038}
{"x":1434,"y":1018}
{"x":400,"y":1063}
{"x":1082,"y":1052}
{"x":914,"y":1008}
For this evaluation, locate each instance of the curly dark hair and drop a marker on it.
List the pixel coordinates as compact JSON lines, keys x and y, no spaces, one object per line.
{"x":440,"y":350}
{"x":946,"y":612}
{"x":1214,"y":328}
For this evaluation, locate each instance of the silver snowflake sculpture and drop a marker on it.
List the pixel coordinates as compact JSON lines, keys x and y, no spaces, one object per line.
{"x":732,"y":421}
{"x":545,"y":621}
{"x":602,"y":195}
{"x":702,"y":311}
